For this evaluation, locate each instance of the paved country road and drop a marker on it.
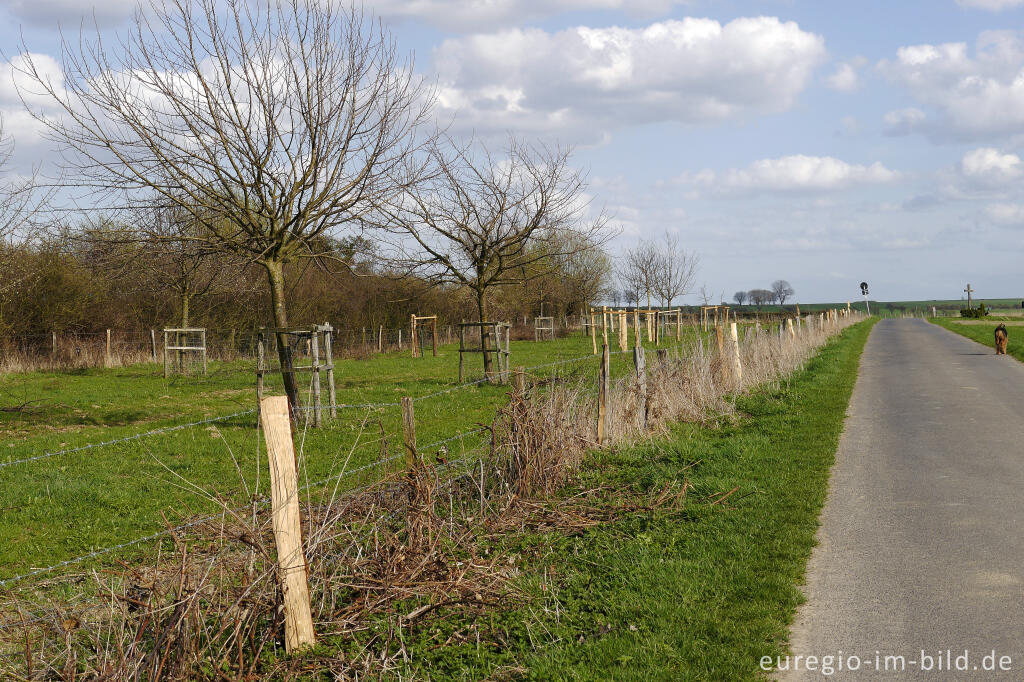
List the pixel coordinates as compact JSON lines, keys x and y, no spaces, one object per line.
{"x":922,"y":537}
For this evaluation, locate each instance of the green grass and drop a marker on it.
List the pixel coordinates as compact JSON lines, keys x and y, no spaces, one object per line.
{"x":65,"y":506}
{"x":983,"y":334}
{"x":701,"y":593}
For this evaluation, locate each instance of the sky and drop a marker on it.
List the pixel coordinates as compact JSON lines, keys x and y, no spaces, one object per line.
{"x":825,"y":143}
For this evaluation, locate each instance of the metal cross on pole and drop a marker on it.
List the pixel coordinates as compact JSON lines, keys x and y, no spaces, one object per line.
{"x":969,"y":291}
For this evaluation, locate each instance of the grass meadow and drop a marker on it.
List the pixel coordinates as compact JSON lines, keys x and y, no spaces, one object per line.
{"x":60,"y":507}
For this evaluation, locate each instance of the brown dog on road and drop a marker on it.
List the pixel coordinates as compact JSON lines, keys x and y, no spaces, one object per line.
{"x":1001,"y":339}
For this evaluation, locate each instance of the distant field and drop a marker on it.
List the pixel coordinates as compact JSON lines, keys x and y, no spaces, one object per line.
{"x":64,"y":506}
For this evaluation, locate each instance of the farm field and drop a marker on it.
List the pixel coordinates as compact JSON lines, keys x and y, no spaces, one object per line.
{"x":63,"y":506}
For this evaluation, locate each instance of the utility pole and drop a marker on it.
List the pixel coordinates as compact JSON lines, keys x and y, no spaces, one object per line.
{"x":969,"y":291}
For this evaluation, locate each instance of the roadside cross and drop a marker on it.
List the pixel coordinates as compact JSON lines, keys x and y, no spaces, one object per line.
{"x":969,"y":291}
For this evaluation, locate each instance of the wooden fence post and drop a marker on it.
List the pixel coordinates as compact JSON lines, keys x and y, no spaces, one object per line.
{"x":736,"y":365}
{"x":54,"y":339}
{"x":152,"y":342}
{"x":413,"y":339}
{"x":604,"y":383}
{"x":640,"y":363}
{"x":260,"y":369}
{"x":329,"y":359}
{"x":409,"y":433}
{"x":462,"y":350}
{"x":604,"y":325}
{"x":433,"y":331}
{"x":720,"y":338}
{"x":314,"y":351}
{"x":380,"y":339}
{"x":284,"y":494}
{"x":593,"y":331}
{"x":519,"y":380}
{"x":108,"y":359}
{"x":789,"y":328}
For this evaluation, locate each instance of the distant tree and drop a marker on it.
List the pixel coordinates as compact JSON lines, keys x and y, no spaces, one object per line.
{"x":629,"y":295}
{"x":638,"y":269}
{"x":616,"y":297}
{"x":760,"y":297}
{"x":740,"y":297}
{"x":674,"y":270}
{"x":782,"y":290}
{"x":705,"y":294}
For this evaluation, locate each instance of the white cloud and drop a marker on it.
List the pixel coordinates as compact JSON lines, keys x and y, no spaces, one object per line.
{"x":904,"y":121}
{"x":975,"y":95}
{"x":991,"y":166}
{"x":1005,"y":214}
{"x":491,"y":14}
{"x":992,"y":5}
{"x":581,"y":79}
{"x":70,"y":12}
{"x":796,"y":173}
{"x":846,"y":77}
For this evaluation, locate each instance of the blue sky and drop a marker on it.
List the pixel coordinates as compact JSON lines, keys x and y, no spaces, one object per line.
{"x":821,"y":142}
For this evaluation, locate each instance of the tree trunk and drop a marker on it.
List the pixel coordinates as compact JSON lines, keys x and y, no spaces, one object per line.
{"x":275,"y":276}
{"x":180,"y":337}
{"x":485,"y":335}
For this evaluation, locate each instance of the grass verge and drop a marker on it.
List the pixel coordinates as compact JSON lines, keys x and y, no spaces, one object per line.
{"x":701,"y":592}
{"x":982,"y":333}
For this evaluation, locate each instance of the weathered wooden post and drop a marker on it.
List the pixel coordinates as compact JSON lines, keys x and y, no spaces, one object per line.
{"x":623,"y":332}
{"x":409,"y":434}
{"x":640,"y":364}
{"x":413,"y":338}
{"x":519,"y":380}
{"x":593,"y":331}
{"x":637,"y":336}
{"x":53,"y":351}
{"x":433,"y":332}
{"x":109,"y":362}
{"x":152,"y":342}
{"x":314,"y":352}
{"x":789,"y":328}
{"x":284,"y":495}
{"x":737,"y":367}
{"x":380,"y":339}
{"x":203,"y":335}
{"x":720,"y":338}
{"x":329,"y":360}
{"x":167,"y":368}
{"x":603,"y":386}
{"x":604,"y":325}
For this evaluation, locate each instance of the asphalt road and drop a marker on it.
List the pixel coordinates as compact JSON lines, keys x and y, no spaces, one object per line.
{"x":922,"y":539}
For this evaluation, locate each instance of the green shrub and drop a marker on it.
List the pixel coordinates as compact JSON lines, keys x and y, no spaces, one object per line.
{"x":980,"y":311}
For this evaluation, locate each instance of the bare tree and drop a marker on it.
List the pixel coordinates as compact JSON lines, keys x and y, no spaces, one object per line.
{"x":782,"y":290}
{"x":271,"y":124}
{"x":674,"y":271}
{"x":740,"y":297}
{"x":484,"y":221}
{"x":760,"y":296}
{"x":705,"y":294}
{"x":638,"y":269}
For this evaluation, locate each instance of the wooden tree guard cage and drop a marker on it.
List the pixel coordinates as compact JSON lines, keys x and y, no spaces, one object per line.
{"x":669,"y":318}
{"x":182,"y":345}
{"x":318,"y":338}
{"x":719,"y":312}
{"x":502,"y":332}
{"x":417,"y":350}
{"x":543,"y":326}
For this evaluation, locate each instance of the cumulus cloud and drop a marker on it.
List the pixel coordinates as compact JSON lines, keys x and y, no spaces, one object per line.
{"x":71,"y":12}
{"x":796,"y":173}
{"x":992,"y":5}
{"x":846,"y":77}
{"x":974,"y":95}
{"x":461,"y":15}
{"x":587,"y":79}
{"x":991,"y":166}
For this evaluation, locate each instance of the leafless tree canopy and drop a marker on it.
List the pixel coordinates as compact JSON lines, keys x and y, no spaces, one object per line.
{"x":759,"y":297}
{"x":483,"y":220}
{"x":638,"y":270}
{"x":740,"y":297}
{"x":781,"y":290}
{"x":674,"y":270}
{"x":270,"y":123}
